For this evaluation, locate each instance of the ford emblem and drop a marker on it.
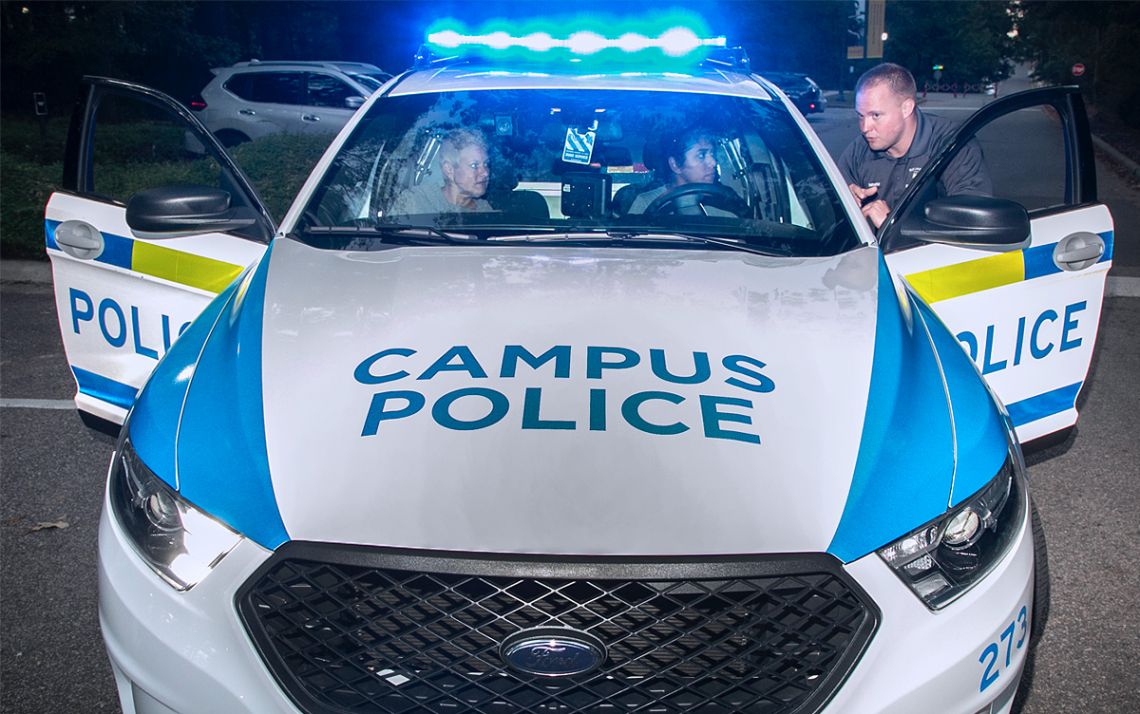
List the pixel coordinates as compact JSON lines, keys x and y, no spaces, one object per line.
{"x":553,"y":652}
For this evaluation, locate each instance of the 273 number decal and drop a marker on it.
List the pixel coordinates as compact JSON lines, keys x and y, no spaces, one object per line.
{"x":1012,"y":637}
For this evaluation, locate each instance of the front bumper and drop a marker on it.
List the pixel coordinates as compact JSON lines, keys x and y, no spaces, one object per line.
{"x":188,"y":652}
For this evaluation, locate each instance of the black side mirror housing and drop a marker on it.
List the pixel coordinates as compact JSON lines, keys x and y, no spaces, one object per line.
{"x":970,"y":221}
{"x":175,"y":211}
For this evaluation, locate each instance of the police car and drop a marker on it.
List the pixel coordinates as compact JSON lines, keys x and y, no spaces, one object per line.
{"x":732,"y":452}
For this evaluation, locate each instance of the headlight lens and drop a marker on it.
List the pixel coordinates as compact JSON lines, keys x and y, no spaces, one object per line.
{"x":945,"y":558}
{"x":178,"y":541}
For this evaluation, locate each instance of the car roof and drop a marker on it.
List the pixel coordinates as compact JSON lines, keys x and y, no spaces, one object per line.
{"x":465,"y":77}
{"x":781,"y":75}
{"x":361,"y":67}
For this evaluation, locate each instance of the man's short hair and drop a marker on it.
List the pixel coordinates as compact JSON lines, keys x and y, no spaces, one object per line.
{"x":456,"y":141}
{"x":895,"y":76}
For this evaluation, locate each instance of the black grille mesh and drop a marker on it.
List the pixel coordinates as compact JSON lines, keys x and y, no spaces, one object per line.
{"x":352,"y":637}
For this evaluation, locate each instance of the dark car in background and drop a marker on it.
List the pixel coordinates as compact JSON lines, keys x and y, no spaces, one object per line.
{"x":800,"y":88}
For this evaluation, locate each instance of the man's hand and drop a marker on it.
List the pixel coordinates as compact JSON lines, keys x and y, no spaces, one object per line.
{"x":862,"y":194}
{"x":877,"y":210}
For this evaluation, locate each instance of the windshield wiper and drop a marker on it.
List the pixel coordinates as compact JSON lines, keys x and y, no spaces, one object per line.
{"x":401,"y":233}
{"x":617,"y":237}
{"x":404,"y":233}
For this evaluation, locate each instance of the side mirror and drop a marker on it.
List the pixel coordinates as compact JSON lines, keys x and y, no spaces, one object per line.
{"x":175,"y":211}
{"x":970,"y":221}
{"x":354,"y":102}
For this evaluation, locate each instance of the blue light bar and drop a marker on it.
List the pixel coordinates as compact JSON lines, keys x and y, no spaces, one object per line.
{"x":675,"y":42}
{"x":669,"y":37}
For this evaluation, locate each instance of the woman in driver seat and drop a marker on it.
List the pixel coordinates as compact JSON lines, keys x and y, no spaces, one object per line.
{"x":690,"y":157}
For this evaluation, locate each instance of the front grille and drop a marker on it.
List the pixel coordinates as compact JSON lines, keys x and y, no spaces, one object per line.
{"x":350,"y":629}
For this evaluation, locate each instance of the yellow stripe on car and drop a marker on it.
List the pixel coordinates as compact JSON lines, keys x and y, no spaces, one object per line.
{"x":183,"y":268}
{"x":971,"y":276}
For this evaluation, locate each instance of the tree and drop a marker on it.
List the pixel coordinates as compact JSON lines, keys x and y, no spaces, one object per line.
{"x":970,"y":40}
{"x":807,"y":37}
{"x":48,"y":46}
{"x":1101,"y":35}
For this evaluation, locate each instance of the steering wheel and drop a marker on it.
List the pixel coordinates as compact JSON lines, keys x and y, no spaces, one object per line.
{"x":687,"y":199}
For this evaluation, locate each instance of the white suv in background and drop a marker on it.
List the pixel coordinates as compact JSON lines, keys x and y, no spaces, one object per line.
{"x":253,"y":99}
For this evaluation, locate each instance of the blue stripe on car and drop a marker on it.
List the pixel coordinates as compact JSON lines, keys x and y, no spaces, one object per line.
{"x":1043,"y":405}
{"x":49,"y":234}
{"x":223,"y":461}
{"x":154,"y":420}
{"x":1039,"y":259}
{"x":905,"y":460}
{"x":104,"y":388}
{"x":979,"y":430}
{"x":117,"y":250}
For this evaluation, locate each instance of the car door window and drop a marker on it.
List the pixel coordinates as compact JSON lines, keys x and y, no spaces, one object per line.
{"x":240,"y":85}
{"x":1025,"y":156}
{"x":137,"y":146}
{"x":328,"y":91}
{"x":277,"y":88}
{"x":1010,"y":162}
{"x":1030,"y":156}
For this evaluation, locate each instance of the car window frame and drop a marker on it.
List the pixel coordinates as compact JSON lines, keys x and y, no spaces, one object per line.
{"x":1080,"y":177}
{"x":351,"y":90}
{"x":78,"y":173}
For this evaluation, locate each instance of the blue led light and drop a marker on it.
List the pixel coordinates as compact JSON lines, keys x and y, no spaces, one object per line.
{"x":671,"y":37}
{"x":675,"y":42}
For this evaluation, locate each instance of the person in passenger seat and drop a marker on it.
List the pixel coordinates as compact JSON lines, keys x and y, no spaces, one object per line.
{"x":466,"y":168}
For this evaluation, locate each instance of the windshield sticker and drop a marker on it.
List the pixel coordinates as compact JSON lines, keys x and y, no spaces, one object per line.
{"x":665,"y":407}
{"x":579,"y":146}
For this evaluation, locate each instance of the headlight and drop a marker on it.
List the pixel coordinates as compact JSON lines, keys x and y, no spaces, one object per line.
{"x":181,"y":543}
{"x":943,"y":559}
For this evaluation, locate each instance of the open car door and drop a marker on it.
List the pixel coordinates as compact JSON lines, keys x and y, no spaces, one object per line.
{"x":123,"y":298}
{"x":1028,"y":317}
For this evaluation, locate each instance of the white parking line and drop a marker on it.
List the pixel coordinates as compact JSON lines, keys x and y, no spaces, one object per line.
{"x":1123,"y":287}
{"x":37,"y":404}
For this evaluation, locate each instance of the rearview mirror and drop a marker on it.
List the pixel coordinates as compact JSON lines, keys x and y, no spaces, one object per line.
{"x":175,"y":211}
{"x":354,"y":102}
{"x":970,"y":221}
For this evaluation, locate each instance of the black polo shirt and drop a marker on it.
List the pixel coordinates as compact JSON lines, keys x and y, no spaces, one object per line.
{"x":966,"y":174}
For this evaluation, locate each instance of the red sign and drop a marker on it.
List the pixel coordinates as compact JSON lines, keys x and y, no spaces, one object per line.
{"x":1078,"y":69}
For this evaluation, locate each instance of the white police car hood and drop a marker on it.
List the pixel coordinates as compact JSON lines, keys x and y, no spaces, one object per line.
{"x":689,"y":402}
{"x":567,"y":400}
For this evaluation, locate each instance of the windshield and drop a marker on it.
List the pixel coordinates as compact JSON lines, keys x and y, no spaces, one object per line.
{"x":558,"y":165}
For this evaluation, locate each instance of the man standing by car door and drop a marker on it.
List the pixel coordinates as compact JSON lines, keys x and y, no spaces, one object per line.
{"x":898,"y":141}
